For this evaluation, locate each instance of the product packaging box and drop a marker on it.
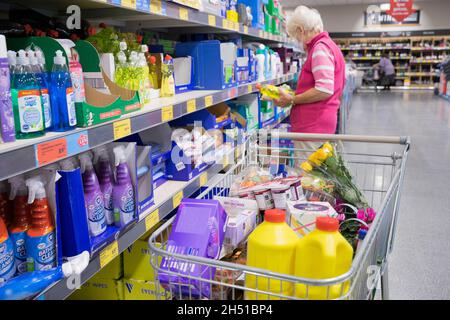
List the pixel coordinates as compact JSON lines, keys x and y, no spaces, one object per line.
{"x":213,"y":117}
{"x":144,"y":290}
{"x":113,"y":270}
{"x":198,"y":230}
{"x":100,"y":289}
{"x":183,"y":74}
{"x":136,"y":261}
{"x":302,"y":215}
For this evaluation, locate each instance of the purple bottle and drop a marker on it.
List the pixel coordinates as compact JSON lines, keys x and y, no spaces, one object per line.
{"x":93,"y":196}
{"x":7,"y":131}
{"x":105,"y":178}
{"x":123,"y":192}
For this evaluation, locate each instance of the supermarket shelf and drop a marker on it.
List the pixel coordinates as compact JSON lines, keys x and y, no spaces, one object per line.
{"x":34,"y":153}
{"x":425,"y":61}
{"x":430,"y":49}
{"x":377,"y":48}
{"x":167,"y":198}
{"x":160,"y":14}
{"x":378,"y":58}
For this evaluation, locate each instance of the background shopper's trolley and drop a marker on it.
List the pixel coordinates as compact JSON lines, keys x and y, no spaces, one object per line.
{"x":379,"y":175}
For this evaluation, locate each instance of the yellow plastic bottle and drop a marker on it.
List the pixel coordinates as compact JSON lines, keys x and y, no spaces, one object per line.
{"x":323,"y":253}
{"x":271,"y":246}
{"x":272,"y":92}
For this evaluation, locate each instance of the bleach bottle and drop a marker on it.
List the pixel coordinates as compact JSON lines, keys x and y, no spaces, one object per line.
{"x":5,"y":205}
{"x":105,"y":178}
{"x":20,"y":221}
{"x":7,"y":266}
{"x":123,"y":191}
{"x":41,"y":238}
{"x":41,"y":78}
{"x":26,"y":98}
{"x":62,"y":96}
{"x":93,"y":196}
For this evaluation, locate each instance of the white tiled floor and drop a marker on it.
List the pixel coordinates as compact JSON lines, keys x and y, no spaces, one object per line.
{"x":420,"y":263}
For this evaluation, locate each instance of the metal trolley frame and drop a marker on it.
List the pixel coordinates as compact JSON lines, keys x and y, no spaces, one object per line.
{"x":379,"y":175}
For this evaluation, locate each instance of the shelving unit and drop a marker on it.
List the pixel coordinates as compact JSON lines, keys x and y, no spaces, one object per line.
{"x":414,"y":58}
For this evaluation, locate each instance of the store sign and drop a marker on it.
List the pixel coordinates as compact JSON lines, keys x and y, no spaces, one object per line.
{"x":401,"y":9}
{"x":378,"y":17}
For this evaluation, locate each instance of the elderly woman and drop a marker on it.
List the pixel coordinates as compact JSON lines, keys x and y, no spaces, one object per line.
{"x":321,"y":81}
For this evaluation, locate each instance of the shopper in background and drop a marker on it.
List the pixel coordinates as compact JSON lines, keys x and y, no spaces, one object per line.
{"x":321,"y":81}
{"x":388,"y":71}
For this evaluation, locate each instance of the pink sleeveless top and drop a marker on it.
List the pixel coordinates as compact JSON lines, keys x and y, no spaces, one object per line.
{"x":324,"y":70}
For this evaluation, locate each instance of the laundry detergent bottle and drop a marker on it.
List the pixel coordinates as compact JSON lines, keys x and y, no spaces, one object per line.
{"x":41,"y":237}
{"x":321,"y":254}
{"x":20,"y":222}
{"x":93,"y":196}
{"x":123,"y":192}
{"x":26,"y":99}
{"x":105,"y":178}
{"x":271,"y":246}
{"x":62,"y":96}
{"x":7,"y":265}
{"x":42,"y":80}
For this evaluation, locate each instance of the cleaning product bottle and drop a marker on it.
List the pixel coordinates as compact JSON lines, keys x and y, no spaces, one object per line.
{"x":7,"y":133}
{"x":76,"y":75}
{"x":7,"y":265}
{"x":41,"y":78}
{"x":261,"y":62}
{"x":167,"y":80}
{"x":105,"y":178}
{"x":321,"y":254}
{"x":144,"y":72}
{"x":271,"y":246}
{"x":62,"y":96}
{"x":5,"y":205}
{"x":19,"y":196}
{"x":271,"y":92}
{"x":123,"y":192}
{"x":12,"y":61}
{"x":273,"y":64}
{"x":153,"y":73}
{"x":41,"y":60}
{"x":41,"y":238}
{"x":26,"y":99}
{"x":93,"y":196}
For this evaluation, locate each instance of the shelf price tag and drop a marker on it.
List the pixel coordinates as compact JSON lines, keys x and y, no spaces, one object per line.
{"x":261,"y":33}
{"x":166,"y":113}
{"x":245,"y":29}
{"x":236,"y":26}
{"x":50,"y":151}
{"x":226,"y":161}
{"x":122,"y":128}
{"x":109,"y":253}
{"x":203,"y":179}
{"x":129,"y":4}
{"x":156,"y":6}
{"x":212,"y":20}
{"x":184,"y":14}
{"x":151,"y":220}
{"x":208,"y":101}
{"x":191,"y":105}
{"x":249,"y":88}
{"x":176,"y":200}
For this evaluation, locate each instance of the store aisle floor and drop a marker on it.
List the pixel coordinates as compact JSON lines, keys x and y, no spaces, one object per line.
{"x":420,"y":263}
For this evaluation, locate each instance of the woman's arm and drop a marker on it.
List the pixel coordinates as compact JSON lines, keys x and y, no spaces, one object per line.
{"x":309,"y":96}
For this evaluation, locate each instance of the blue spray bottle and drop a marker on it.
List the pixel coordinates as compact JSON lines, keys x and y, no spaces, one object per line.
{"x":93,"y":196}
{"x":7,"y":266}
{"x":62,"y":96}
{"x":123,"y":191}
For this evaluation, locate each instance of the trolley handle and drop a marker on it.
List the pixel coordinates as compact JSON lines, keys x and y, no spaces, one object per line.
{"x":403,"y":140}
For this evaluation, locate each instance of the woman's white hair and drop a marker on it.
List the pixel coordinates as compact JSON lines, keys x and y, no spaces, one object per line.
{"x":303,"y":17}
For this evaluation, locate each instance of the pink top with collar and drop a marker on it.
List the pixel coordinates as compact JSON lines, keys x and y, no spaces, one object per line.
{"x":324,"y":70}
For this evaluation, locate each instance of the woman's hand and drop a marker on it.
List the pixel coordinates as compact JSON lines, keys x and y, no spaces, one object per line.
{"x":285,"y":99}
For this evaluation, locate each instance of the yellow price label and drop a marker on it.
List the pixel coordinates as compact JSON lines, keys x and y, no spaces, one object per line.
{"x":122,"y":128}
{"x":151,"y":220}
{"x":156,"y":6}
{"x":191,"y":105}
{"x":236,"y":26}
{"x":203,"y":178}
{"x":261,"y":33}
{"x":226,"y":161}
{"x":212,"y":20}
{"x":166,"y":113}
{"x":129,"y":4}
{"x":176,"y":200}
{"x":250,"y":88}
{"x":184,"y":14}
{"x":208,"y":101}
{"x":225,"y":23}
{"x":109,"y":253}
{"x":245,"y":29}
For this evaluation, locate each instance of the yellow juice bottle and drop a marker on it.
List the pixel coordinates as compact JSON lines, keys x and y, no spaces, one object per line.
{"x":271,"y":246}
{"x":321,"y":254}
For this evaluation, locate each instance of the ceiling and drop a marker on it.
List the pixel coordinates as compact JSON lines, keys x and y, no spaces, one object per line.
{"x":314,"y":3}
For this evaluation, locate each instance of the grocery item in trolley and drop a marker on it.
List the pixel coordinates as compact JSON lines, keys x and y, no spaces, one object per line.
{"x":322,"y":254}
{"x":302,"y":215}
{"x":271,"y":246}
{"x":198,"y":230}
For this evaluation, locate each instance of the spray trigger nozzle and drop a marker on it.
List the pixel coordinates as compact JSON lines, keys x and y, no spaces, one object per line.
{"x":101,"y":153}
{"x":121,"y":153}
{"x":18,"y":186}
{"x":85,"y":161}
{"x":36,"y":189}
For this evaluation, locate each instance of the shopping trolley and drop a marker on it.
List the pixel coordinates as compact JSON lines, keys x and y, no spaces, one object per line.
{"x":379,"y":174}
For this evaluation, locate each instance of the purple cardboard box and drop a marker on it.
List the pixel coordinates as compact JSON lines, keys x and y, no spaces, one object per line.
{"x":198,"y":230}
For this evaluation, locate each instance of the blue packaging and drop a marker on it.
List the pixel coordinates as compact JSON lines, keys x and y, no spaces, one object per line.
{"x":20,"y":252}
{"x":7,"y":266}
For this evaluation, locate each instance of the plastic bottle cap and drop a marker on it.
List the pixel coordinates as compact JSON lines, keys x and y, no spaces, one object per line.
{"x":327,"y":224}
{"x":275,"y":215}
{"x":32,"y":57}
{"x":362,"y":234}
{"x":167,"y":57}
{"x":23,"y":59}
{"x":3,"y":48}
{"x":59,"y":58}
{"x":12,"y":57}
